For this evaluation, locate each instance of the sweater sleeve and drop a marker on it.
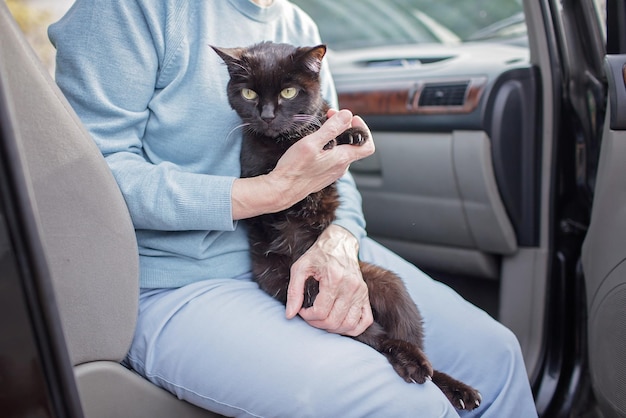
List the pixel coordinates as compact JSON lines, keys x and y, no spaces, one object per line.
{"x":109,"y":58}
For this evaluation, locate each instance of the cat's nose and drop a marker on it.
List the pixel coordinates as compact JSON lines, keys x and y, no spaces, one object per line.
{"x":267,"y":113}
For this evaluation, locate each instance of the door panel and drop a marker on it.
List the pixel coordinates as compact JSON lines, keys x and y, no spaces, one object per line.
{"x":435,"y":201}
{"x":453,"y":185}
{"x":461,"y":178}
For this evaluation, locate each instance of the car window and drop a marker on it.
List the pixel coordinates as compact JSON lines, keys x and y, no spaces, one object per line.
{"x":345,"y":24}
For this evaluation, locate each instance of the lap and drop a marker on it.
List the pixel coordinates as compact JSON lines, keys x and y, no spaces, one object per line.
{"x":225,"y":345}
{"x":449,"y":320}
{"x":464,"y":341}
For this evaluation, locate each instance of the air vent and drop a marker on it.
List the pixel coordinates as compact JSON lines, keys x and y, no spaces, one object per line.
{"x":405,"y":62}
{"x":443,"y":94}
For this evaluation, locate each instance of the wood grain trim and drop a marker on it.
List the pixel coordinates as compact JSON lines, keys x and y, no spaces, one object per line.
{"x":405,"y":101}
{"x":377,"y":102}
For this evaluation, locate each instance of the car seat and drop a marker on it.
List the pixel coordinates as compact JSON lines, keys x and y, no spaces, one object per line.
{"x":604,"y":255}
{"x":88,"y":239}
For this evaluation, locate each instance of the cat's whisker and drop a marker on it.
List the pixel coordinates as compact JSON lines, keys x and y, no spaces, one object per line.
{"x":304,"y":124}
{"x":311,"y":119}
{"x":242,"y":126}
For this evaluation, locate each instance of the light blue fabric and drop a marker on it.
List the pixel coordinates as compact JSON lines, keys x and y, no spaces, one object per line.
{"x":143,"y":79}
{"x":225,"y":345}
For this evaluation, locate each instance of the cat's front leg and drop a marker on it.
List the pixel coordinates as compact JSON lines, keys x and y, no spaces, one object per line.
{"x":408,"y":360}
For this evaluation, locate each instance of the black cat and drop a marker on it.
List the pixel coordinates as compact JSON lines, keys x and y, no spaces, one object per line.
{"x":275,"y":89}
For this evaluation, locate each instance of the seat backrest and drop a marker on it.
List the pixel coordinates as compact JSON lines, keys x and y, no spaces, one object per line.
{"x":604,"y":256}
{"x":88,"y":236}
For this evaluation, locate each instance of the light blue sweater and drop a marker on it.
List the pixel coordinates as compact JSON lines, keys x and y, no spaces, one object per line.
{"x":146,"y":84}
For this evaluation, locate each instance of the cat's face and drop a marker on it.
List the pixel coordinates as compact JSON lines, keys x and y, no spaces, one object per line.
{"x":274,"y":87}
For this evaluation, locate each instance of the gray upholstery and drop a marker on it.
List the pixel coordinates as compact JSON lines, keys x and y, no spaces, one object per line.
{"x":604,"y":266}
{"x":466,"y":227}
{"x":88,"y":238}
{"x":129,"y":392}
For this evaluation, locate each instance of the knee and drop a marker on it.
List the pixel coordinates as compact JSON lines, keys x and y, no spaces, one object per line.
{"x":512,"y":392}
{"x":501,"y":349}
{"x":509,"y":346}
{"x":504,"y":382}
{"x":379,"y":392}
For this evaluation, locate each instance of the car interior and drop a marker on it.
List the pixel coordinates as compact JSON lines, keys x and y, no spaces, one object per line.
{"x":458,"y":184}
{"x":482,"y":177}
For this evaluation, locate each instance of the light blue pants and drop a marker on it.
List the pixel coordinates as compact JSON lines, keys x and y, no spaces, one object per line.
{"x":225,"y":345}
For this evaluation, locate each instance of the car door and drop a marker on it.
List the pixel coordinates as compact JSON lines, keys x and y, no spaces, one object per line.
{"x":487,"y":147}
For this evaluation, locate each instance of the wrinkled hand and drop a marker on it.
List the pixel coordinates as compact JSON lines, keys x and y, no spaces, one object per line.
{"x":342,"y":305}
{"x":307,"y":166}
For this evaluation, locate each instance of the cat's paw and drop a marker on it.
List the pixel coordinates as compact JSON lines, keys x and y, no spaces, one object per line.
{"x":408,"y":361}
{"x":460,"y":395}
{"x":352,"y":136}
{"x":311,"y":289}
{"x":331,"y":144}
{"x":467,"y":399}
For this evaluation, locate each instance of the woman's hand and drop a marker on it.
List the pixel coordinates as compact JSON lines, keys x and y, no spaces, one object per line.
{"x":305,"y":168}
{"x":342,"y":305}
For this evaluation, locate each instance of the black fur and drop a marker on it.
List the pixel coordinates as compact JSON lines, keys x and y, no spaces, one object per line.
{"x":272,"y":124}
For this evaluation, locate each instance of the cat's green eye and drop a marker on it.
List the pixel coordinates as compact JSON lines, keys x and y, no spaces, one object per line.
{"x":289,"y":93}
{"x":249,"y":94}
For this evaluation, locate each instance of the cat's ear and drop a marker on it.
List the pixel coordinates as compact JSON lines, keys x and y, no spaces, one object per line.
{"x":229,"y":55}
{"x":311,"y":57}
